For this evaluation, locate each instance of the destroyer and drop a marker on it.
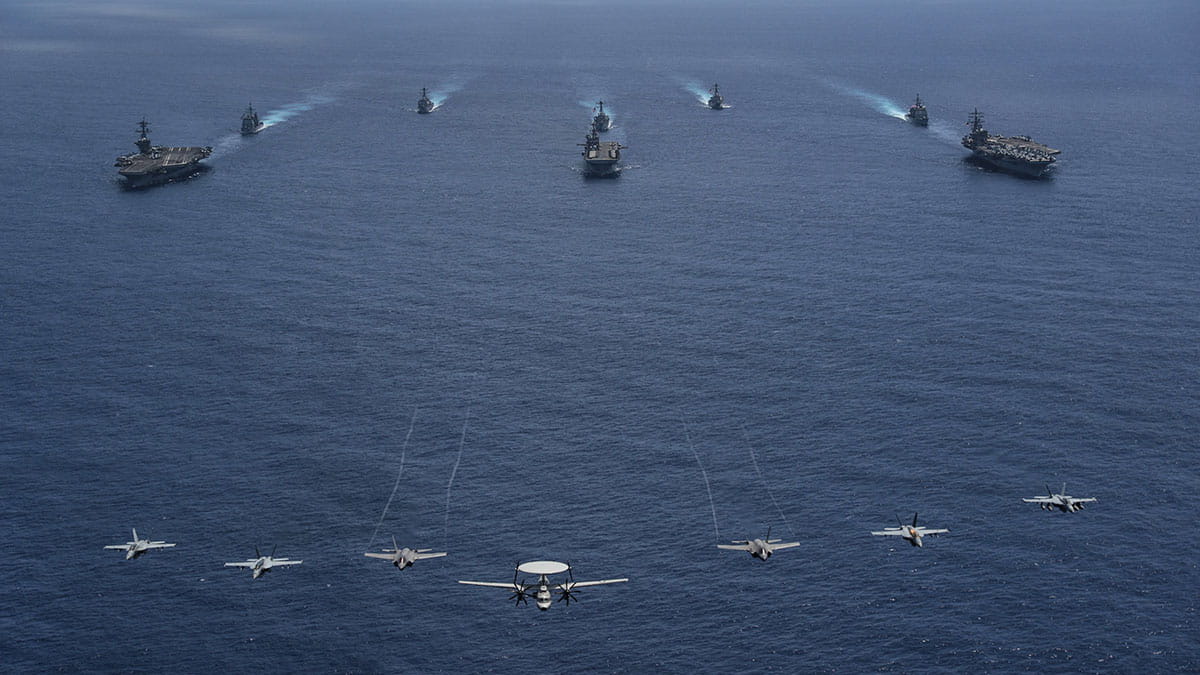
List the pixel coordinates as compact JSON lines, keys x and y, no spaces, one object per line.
{"x":250,"y":122}
{"x":601,"y":122}
{"x":425,"y":104}
{"x":716,"y":101}
{"x":601,"y":156}
{"x":917,"y":114}
{"x":1018,"y":154}
{"x":155,"y":164}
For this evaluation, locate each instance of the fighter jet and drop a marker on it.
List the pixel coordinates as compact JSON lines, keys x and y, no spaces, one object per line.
{"x":758,"y":548}
{"x":263,"y":563}
{"x":912,"y":533}
{"x":543,"y":570}
{"x":404,"y":557}
{"x":1060,"y":500}
{"x":138,"y":546}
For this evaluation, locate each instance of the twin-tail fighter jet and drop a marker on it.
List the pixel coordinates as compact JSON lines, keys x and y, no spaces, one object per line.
{"x":138,"y":546}
{"x":404,"y":557}
{"x":758,"y":548}
{"x":263,"y":563}
{"x":1060,"y":500}
{"x":543,"y":570}
{"x":911,"y":533}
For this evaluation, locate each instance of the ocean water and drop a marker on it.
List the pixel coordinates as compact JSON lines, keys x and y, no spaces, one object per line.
{"x":829,"y":311}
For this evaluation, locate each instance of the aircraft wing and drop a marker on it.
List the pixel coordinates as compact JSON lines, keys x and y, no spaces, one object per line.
{"x":509,"y":585}
{"x":159,"y":544}
{"x":788,"y":545}
{"x":381,"y":556}
{"x":734,"y":547}
{"x":1037,"y":500}
{"x":284,"y":561}
{"x":119,"y":547}
{"x":581,"y":584}
{"x":1084,"y":499}
{"x":248,"y":563}
{"x":925,"y":533}
{"x":893,"y":532}
{"x":423,"y":556}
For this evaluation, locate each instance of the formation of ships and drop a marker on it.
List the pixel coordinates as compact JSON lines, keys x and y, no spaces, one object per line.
{"x":154,"y":164}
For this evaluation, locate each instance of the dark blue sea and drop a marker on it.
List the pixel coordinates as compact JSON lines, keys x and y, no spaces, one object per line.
{"x":825,"y":314}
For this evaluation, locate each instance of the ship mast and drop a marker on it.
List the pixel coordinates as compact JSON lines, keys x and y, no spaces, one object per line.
{"x":976,"y":121}
{"x":143,"y":142}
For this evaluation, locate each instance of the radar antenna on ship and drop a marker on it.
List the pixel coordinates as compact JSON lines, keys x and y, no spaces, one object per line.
{"x":143,"y":142}
{"x":976,"y":121}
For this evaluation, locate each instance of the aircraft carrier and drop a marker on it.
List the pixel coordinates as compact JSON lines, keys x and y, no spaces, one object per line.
{"x":1018,"y":154}
{"x":601,"y":156}
{"x":156,"y":164}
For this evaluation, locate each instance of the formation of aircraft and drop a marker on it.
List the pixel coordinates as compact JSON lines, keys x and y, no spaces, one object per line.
{"x":1059,"y":500}
{"x":404,"y":557}
{"x":911,"y":533}
{"x":758,"y":548}
{"x":261,"y":564}
{"x":138,"y":546}
{"x":542,"y":590}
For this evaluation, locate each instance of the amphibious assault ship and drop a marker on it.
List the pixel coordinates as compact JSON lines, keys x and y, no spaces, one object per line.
{"x":1018,"y":154}
{"x":917,"y":113}
{"x":601,"y":156}
{"x":250,"y":122}
{"x":155,"y":164}
{"x":424,"y":104}
{"x":601,"y":122}
{"x":716,"y":101}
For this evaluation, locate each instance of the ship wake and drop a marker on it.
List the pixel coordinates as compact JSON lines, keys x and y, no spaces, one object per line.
{"x":287,"y":112}
{"x":443,"y":93}
{"x":879,"y":103}
{"x":696,"y":89}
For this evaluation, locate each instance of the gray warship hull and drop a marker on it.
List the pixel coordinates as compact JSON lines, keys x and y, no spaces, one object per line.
{"x":1019,"y":155}
{"x":1020,"y":167}
{"x":602,"y":158}
{"x":161,"y":165}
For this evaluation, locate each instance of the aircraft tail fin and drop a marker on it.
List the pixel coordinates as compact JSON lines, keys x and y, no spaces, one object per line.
{"x":914,"y":519}
{"x":134,"y":533}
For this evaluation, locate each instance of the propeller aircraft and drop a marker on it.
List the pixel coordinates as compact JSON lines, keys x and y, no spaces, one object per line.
{"x":542,"y":590}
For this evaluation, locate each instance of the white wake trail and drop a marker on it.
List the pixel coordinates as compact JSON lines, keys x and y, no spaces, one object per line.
{"x":400,"y":473}
{"x":762,"y":480}
{"x":461,"y":442}
{"x":707,"y":487}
